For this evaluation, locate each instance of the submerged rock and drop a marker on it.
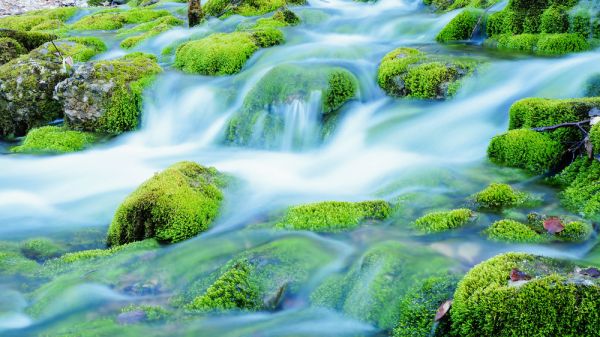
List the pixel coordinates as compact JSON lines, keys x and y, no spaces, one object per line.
{"x":442,"y":221}
{"x":408,"y":72}
{"x":551,"y":299}
{"x":106,"y":96}
{"x":174,"y":205}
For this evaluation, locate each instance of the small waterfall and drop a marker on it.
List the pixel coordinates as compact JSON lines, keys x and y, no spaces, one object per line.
{"x":301,"y":122}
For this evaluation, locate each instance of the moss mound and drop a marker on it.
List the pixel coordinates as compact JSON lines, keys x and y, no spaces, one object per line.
{"x":115,"y":19}
{"x":499,"y":196}
{"x":461,"y":27}
{"x":10,"y":49}
{"x":407,"y":72}
{"x":282,"y":86}
{"x":527,"y":149}
{"x":172,"y":206}
{"x":31,"y":19}
{"x":41,"y":249}
{"x":556,"y":301}
{"x":29,"y":40}
{"x":147,"y":30}
{"x":80,"y":49}
{"x":448,"y":5}
{"x":581,"y":184}
{"x":443,"y":221}
{"x":513,"y":231}
{"x":333,"y":216}
{"x":224,"y":8}
{"x":54,"y":139}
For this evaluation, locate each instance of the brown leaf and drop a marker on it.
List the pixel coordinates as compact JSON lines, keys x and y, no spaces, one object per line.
{"x":553,"y":225}
{"x":591,"y":272}
{"x":517,"y":275}
{"x":443,"y":310}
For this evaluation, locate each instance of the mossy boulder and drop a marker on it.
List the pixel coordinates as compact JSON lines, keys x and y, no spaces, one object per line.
{"x":106,"y":96}
{"x":533,"y":231}
{"x":500,"y":196}
{"x":542,"y":44}
{"x":262,"y":277}
{"x":54,"y":139}
{"x":26,"y":91}
{"x":224,"y":8}
{"x":513,"y":231}
{"x":552,"y":299}
{"x":462,"y":26}
{"x":10,"y":49}
{"x":333,"y":216}
{"x":534,"y":151}
{"x":116,"y":19}
{"x":448,"y":5}
{"x":329,"y":88}
{"x":41,"y":249}
{"x":80,"y":49}
{"x":408,"y":72}
{"x":581,"y":184}
{"x":29,"y":40}
{"x":14,"y":263}
{"x":419,"y":306}
{"x":174,"y":205}
{"x":144,"y":31}
{"x":376,"y":285}
{"x":443,"y":220}
{"x":31,"y":19}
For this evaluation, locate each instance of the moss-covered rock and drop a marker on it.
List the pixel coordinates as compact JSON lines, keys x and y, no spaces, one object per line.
{"x":333,"y":216}
{"x":513,"y":231}
{"x":499,"y":196}
{"x":376,"y":285}
{"x":172,"y":206}
{"x":41,"y":249}
{"x":448,"y":5}
{"x":419,"y":307}
{"x":14,"y":264}
{"x":581,"y":184}
{"x":462,"y":26}
{"x":29,"y":40}
{"x":31,"y":19}
{"x":224,"y":8}
{"x":10,"y":49}
{"x":527,"y":149}
{"x":26,"y":89}
{"x":115,"y":19}
{"x":147,"y":30}
{"x":54,"y":139}
{"x":106,"y":96}
{"x":407,"y":72}
{"x":592,"y":86}
{"x":282,"y":86}
{"x":443,"y":221}
{"x":555,"y":301}
{"x":80,"y":49}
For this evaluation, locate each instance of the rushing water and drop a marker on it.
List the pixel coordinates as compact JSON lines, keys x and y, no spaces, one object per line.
{"x":381,"y":148}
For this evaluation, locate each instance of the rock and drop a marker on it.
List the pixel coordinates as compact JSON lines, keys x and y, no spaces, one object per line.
{"x":131,"y":317}
{"x":105,"y":96}
{"x":10,"y":49}
{"x":195,"y":14}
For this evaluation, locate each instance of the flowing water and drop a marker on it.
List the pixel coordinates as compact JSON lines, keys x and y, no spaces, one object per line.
{"x":426,"y":154}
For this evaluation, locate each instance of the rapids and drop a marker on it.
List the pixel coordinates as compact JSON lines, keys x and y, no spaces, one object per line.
{"x":431,"y":154}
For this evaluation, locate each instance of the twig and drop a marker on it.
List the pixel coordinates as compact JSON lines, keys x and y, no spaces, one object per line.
{"x":554,"y":127}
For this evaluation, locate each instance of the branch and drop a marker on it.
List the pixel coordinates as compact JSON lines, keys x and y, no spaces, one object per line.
{"x":554,"y":127}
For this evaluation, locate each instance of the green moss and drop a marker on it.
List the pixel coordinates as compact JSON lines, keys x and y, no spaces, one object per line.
{"x":499,"y":196}
{"x":555,"y":302}
{"x":419,"y":306}
{"x":538,"y":112}
{"x":333,"y":216}
{"x":513,"y":231}
{"x":217,"y":54}
{"x":235,"y":289}
{"x":448,"y":5}
{"x":10,"y":49}
{"x":53,"y":139}
{"x":582,"y":187}
{"x":31,"y":19}
{"x":29,"y":40}
{"x":462,"y":26}
{"x":526,"y":149}
{"x":592,"y":86}
{"x":81,"y":49}
{"x":411,"y":73}
{"x":13,"y":263}
{"x":148,"y":30}
{"x":559,"y":44}
{"x":94,"y":254}
{"x":595,"y":138}
{"x":555,"y":19}
{"x":41,"y":249}
{"x":279,"y":87}
{"x":172,"y":206}
{"x":522,"y":42}
{"x":153,"y":313}
{"x":223,"y":8}
{"x":115,"y":19}
{"x":576,"y":231}
{"x":442,"y":221}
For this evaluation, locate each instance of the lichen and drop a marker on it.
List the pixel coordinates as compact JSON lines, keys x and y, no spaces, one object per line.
{"x":174,"y":205}
{"x":54,"y":139}
{"x":443,"y":221}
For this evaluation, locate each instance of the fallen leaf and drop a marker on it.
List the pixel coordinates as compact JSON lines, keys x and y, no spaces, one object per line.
{"x":443,"y":310}
{"x":591,"y":272}
{"x":553,"y":225}
{"x":517,"y":275}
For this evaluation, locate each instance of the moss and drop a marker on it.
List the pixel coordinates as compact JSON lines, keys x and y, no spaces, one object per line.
{"x":582,"y":187}
{"x":152,"y":313}
{"x":148,"y":30}
{"x":595,"y":138}
{"x":286,"y":16}
{"x":53,"y":139}
{"x":538,"y":112}
{"x":29,"y":40}
{"x":235,"y":289}
{"x":522,"y":42}
{"x":592,"y":86}
{"x":81,"y":49}
{"x":461,"y":27}
{"x":13,"y":263}
{"x":513,"y":231}
{"x":376,"y":285}
{"x":411,"y":73}
{"x":576,"y":231}
{"x":557,"y":301}
{"x":499,"y":196}
{"x":526,"y":149}
{"x":442,"y":221}
{"x":10,"y":49}
{"x":333,"y":216}
{"x":448,"y":5}
{"x":41,"y":249}
{"x":280,"y":86}
{"x":223,"y":8}
{"x":94,"y":254}
{"x":172,"y":206}
{"x":555,"y":19}
{"x":31,"y":19}
{"x":419,"y":306}
{"x":111,"y":19}
{"x":217,"y":54}
{"x":559,"y":44}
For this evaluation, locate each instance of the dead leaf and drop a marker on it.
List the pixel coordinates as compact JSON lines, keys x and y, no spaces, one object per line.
{"x":553,"y":225}
{"x":443,"y":310}
{"x":591,"y":272}
{"x":517,"y":275}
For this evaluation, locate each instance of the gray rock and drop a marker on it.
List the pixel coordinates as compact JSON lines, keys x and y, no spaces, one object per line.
{"x":131,"y":317}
